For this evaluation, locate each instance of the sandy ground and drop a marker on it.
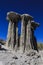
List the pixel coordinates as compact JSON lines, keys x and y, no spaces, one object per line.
{"x":9,"y":57}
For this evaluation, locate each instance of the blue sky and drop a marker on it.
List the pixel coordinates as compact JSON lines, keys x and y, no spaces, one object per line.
{"x":32,"y":7}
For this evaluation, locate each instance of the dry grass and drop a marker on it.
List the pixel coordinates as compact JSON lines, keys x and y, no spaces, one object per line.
{"x":40,"y":46}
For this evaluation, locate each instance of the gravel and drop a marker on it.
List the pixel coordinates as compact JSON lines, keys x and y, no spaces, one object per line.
{"x":9,"y":57}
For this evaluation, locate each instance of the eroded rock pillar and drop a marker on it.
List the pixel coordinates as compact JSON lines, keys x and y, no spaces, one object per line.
{"x":26,"y":32}
{"x":13,"y":29}
{"x":13,"y":35}
{"x":28,"y":36}
{"x":8,"y":41}
{"x":16,"y":46}
{"x":22,"y":34}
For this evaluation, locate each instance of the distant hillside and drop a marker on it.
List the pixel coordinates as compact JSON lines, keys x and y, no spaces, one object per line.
{"x":2,"y":41}
{"x":40,"y":46}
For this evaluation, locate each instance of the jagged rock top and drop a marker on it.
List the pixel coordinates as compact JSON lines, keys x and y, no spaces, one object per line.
{"x":13,"y":16}
{"x":27,"y":16}
{"x":34,"y":24}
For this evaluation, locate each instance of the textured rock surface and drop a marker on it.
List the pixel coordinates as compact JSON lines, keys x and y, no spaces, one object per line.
{"x":10,"y":57}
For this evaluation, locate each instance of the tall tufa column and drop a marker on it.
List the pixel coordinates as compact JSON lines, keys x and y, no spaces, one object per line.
{"x":12,"y":35}
{"x":29,"y":33}
{"x":8,"y":41}
{"x":13,"y":31}
{"x":34,"y":25}
{"x":16,"y":46}
{"x":26,"y":31}
{"x":22,"y":33}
